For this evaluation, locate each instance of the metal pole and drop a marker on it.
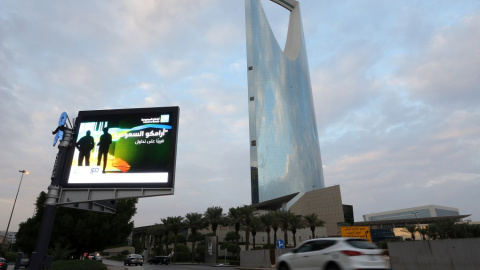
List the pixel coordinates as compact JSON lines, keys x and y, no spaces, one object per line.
{"x":14,"y":202}
{"x":48,"y":218}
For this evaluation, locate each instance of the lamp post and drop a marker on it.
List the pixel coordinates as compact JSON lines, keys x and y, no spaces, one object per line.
{"x":13,"y":208}
{"x":416,"y":212}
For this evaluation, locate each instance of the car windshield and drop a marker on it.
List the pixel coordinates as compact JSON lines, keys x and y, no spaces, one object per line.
{"x":136,"y":256}
{"x":360,"y":243}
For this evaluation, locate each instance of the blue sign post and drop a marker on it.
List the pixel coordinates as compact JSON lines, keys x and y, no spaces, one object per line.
{"x":280,"y":244}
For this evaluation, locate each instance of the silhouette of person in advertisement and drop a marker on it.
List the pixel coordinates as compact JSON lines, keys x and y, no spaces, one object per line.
{"x":85,"y":146}
{"x":104,"y":145}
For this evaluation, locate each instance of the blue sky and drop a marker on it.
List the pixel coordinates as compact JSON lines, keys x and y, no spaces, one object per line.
{"x":396,"y":87}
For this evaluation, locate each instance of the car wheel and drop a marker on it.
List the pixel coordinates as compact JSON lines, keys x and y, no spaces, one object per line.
{"x":141,"y":264}
{"x":124,"y":263}
{"x":283,"y":266}
{"x":332,"y":266}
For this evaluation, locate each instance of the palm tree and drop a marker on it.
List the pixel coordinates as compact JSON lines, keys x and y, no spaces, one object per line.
{"x":175,"y":225}
{"x":166,"y":234}
{"x":284,"y":218}
{"x":235,"y":219}
{"x":313,"y":222}
{"x":275,"y":226}
{"x":158,"y":231}
{"x":246,"y":214}
{"x":214,"y":217}
{"x":296,"y":223}
{"x":255,"y":226}
{"x":422,"y":231}
{"x":410,"y":229}
{"x":446,"y":229}
{"x":195,"y":222}
{"x":432,"y":231}
{"x":267,"y":220}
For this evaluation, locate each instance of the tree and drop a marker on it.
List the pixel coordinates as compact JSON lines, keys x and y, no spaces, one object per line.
{"x":166,"y":240}
{"x":275,"y":225}
{"x":267,"y":220}
{"x":27,"y":231}
{"x":174,"y":225}
{"x":195,"y":222}
{"x":255,"y":226}
{"x":422,"y":231}
{"x":432,"y":231}
{"x":410,"y":229}
{"x":284,"y":218}
{"x":84,"y":231}
{"x":235,"y":219}
{"x":296,"y":223}
{"x":60,"y":253}
{"x":158,"y":231}
{"x":232,"y":236}
{"x":313,"y":222}
{"x":214,"y":217}
{"x":246,"y":215}
{"x":446,"y":229}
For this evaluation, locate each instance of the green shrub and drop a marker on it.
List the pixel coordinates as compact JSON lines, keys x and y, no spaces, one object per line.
{"x":10,"y":256}
{"x":233,"y":248}
{"x":183,"y":253}
{"x":267,"y":246}
{"x":182,"y":248}
{"x":184,"y":256}
{"x":78,"y":265}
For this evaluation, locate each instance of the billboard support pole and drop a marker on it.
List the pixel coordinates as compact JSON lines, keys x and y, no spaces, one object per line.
{"x":45,"y":231}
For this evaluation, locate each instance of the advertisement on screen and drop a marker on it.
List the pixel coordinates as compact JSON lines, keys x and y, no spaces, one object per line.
{"x":128,"y":147}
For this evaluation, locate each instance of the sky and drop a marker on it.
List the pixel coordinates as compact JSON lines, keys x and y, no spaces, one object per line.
{"x":396,"y":87}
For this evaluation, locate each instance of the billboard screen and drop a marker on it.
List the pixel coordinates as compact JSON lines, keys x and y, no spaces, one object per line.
{"x":123,"y":148}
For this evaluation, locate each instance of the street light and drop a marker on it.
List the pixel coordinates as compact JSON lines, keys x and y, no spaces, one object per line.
{"x":416,"y":212}
{"x":14,"y":202}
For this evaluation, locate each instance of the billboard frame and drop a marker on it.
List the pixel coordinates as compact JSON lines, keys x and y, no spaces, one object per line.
{"x":96,"y":191}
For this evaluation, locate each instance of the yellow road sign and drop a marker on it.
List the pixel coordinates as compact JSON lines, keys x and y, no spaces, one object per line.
{"x":356,"y":231}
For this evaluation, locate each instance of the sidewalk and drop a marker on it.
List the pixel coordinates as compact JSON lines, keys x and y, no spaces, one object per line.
{"x":114,"y":267}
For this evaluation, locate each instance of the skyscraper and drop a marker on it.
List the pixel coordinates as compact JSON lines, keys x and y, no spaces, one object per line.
{"x":284,"y":147}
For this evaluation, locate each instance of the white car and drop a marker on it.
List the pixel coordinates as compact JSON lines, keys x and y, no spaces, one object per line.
{"x":333,"y":253}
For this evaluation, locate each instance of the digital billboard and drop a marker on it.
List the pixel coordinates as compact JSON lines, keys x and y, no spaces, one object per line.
{"x":123,"y":148}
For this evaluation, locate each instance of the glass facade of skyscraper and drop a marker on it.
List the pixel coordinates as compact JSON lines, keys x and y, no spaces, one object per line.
{"x":284,"y":146}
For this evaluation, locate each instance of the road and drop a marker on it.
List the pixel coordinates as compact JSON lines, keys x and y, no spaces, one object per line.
{"x":148,"y":266}
{"x":119,"y":266}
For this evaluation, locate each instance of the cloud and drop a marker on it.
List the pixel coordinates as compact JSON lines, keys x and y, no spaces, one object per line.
{"x":394,"y":85}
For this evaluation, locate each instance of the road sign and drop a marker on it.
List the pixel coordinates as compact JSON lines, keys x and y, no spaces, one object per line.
{"x":280,"y":244}
{"x":356,"y":231}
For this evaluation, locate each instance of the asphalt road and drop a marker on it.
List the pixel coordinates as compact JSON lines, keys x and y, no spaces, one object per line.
{"x":147,"y":266}
{"x":119,"y":266}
